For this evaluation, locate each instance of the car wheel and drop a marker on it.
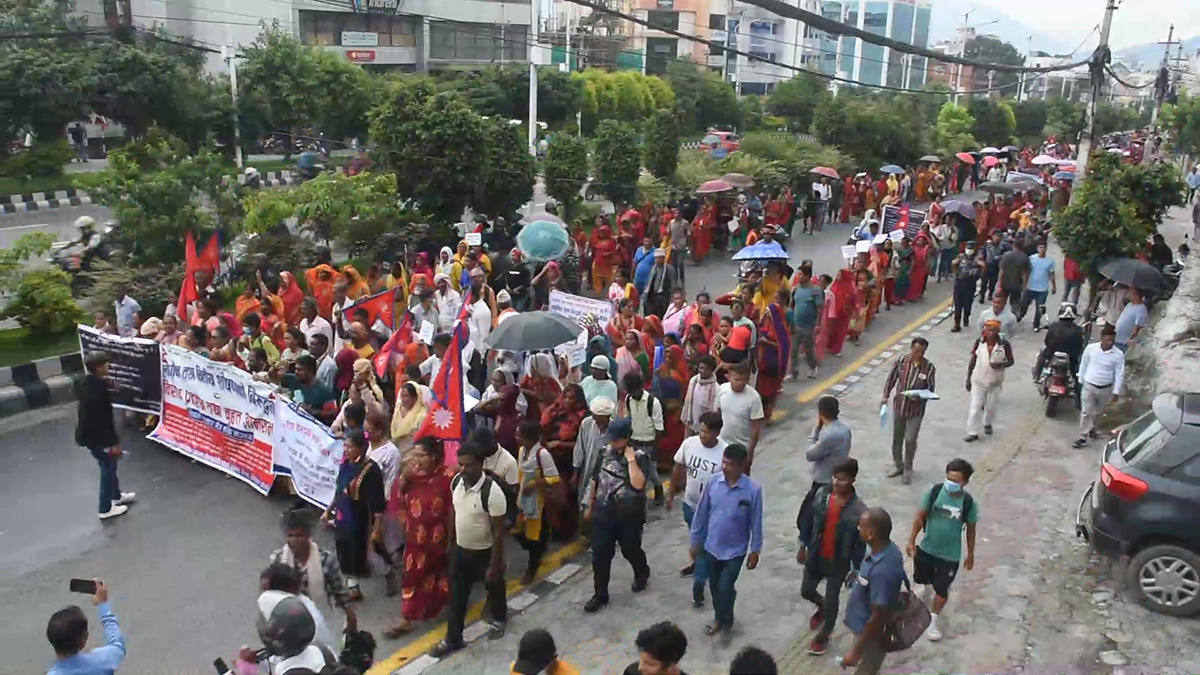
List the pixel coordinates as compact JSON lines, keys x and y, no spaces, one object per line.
{"x":1166,"y":579}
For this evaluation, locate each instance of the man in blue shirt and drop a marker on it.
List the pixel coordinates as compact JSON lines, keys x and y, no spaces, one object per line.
{"x":727,"y":524}
{"x":807,"y":301}
{"x":1041,"y":283}
{"x":875,"y":593}
{"x":68,"y":634}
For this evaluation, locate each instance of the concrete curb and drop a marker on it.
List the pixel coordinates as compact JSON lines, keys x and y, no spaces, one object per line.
{"x":39,"y":384}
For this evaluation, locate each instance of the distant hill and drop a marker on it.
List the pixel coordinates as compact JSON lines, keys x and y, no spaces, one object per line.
{"x":1143,"y":56}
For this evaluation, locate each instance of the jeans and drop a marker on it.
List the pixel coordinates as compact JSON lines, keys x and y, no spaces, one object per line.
{"x":944,"y":262}
{"x":904,"y":440}
{"x":605,"y":539}
{"x":722,"y":578}
{"x":468,"y":567}
{"x":679,"y":264}
{"x":803,"y":337}
{"x":700,"y":571}
{"x":815,"y":570}
{"x":1039,"y":299}
{"x":1071,"y":291}
{"x":110,"y":486}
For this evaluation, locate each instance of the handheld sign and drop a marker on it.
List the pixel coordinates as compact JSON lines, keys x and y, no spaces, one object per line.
{"x":880,"y":238}
{"x":474,"y":239}
{"x":862,"y":247}
{"x":896,"y":235}
{"x":848,"y":252}
{"x":426,"y":333}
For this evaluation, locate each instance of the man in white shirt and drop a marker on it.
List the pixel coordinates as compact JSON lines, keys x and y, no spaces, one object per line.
{"x":995,"y":173}
{"x":327,"y":368}
{"x":1101,"y":375}
{"x":447,"y":301}
{"x":125,"y":307}
{"x":999,"y":311}
{"x":697,"y":460}
{"x":741,"y":411}
{"x":313,"y":323}
{"x":645,"y":412}
{"x":341,"y":326}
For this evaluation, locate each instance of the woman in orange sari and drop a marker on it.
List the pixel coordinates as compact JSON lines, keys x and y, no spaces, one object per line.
{"x":246,"y":302}
{"x":652,"y":337}
{"x":702,"y":230}
{"x":774,"y":346}
{"x":670,"y":387}
{"x":356,"y":288}
{"x":321,"y":280}
{"x":870,"y":198}
{"x":625,"y":320}
{"x":862,"y":309}
{"x":839,"y":315}
{"x":292,"y":297}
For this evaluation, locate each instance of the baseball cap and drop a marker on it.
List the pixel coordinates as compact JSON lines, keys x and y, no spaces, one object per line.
{"x":620,"y":429}
{"x":535,"y":652}
{"x":600,"y":361}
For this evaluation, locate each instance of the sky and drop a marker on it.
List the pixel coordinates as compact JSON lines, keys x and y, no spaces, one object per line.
{"x":1135,"y":22}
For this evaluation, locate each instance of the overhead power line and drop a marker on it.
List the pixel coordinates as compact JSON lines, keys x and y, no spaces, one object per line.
{"x":1113,"y":75}
{"x":838,"y":28}
{"x":597,"y":7}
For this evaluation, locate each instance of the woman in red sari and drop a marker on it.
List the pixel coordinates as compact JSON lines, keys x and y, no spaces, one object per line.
{"x":540,"y":385}
{"x":423,"y":492}
{"x":292,"y":297}
{"x":881,"y":267}
{"x":848,"y":197}
{"x":702,"y":230}
{"x":625,"y":320}
{"x":560,"y":427}
{"x":773,"y":351}
{"x":670,"y":387}
{"x":841,"y":311}
{"x":919,"y":275}
{"x":696,"y":345}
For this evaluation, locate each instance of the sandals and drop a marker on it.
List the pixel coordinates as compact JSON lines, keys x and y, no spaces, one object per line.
{"x":712,"y":629}
{"x":395,"y":632}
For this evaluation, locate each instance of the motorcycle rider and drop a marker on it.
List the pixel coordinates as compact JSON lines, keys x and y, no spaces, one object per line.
{"x":1064,"y":336}
{"x":252,"y":179}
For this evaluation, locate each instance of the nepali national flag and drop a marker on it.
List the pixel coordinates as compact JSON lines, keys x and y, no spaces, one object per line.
{"x":446,"y":419}
{"x":393,"y":349}
{"x":379,"y":306}
{"x":188,"y":292}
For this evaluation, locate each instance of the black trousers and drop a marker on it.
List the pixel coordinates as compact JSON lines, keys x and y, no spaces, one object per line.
{"x":964,"y":299}
{"x":605,"y":539}
{"x":468,"y":567}
{"x":536,"y":548}
{"x":987,"y":289}
{"x":834,"y":574}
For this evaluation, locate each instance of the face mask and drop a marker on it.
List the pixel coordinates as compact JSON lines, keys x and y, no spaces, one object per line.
{"x":952,"y":487}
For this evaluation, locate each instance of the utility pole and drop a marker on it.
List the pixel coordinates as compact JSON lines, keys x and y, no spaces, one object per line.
{"x":1160,"y":93}
{"x":1029,"y":53}
{"x":962,"y":50}
{"x":1100,"y":58}
{"x":229,"y":54}
{"x":534,"y":51}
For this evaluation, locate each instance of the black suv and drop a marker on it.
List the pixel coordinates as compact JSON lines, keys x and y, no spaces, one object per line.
{"x":1146,"y":504}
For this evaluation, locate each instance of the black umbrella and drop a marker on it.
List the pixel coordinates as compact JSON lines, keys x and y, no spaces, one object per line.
{"x":994,"y":186}
{"x":1131,"y":272}
{"x":1010,"y":148}
{"x":959,"y":207}
{"x":528,"y":331}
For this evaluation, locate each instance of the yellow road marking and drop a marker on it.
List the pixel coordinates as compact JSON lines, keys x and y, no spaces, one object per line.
{"x":884,"y":344}
{"x":554,"y":561}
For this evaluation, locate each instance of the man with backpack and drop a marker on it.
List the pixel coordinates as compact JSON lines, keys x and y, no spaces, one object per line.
{"x":476,"y":548}
{"x":874,"y":595}
{"x":646,"y":414}
{"x":617,"y":511}
{"x":946,"y":510}
{"x":830,"y":548}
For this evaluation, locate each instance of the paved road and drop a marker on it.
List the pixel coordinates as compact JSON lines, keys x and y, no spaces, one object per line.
{"x":183,"y":565}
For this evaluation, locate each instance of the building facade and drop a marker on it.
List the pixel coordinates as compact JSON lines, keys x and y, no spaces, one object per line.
{"x":413,"y":35}
{"x":849,"y":57}
{"x":659,"y":48}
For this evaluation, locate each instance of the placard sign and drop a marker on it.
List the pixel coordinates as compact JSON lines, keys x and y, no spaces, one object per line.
{"x":848,"y":252}
{"x":474,"y":239}
{"x":133,"y":369}
{"x":306,"y":450}
{"x":902,"y":218}
{"x":576,"y":307}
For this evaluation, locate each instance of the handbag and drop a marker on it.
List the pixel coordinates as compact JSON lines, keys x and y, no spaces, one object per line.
{"x":907,"y":623}
{"x":555,"y":494}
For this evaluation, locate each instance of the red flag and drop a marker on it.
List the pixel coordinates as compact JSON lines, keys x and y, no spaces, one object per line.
{"x":401,"y":337}
{"x":210,"y":256}
{"x":379,"y":306}
{"x":187,"y":292}
{"x":446,"y":419}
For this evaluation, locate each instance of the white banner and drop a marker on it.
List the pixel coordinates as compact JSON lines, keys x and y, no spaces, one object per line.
{"x":305,"y":449}
{"x":217,"y":414}
{"x":575,"y":307}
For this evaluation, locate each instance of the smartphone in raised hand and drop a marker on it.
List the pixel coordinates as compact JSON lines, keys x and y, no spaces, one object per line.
{"x":85,"y":586}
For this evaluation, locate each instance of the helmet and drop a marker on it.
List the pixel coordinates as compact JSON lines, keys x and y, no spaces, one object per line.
{"x":250,"y":171}
{"x":85,"y":223}
{"x":1067,"y":311}
{"x":288,"y":628}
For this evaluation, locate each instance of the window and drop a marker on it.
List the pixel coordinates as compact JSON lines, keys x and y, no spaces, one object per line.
{"x":475,"y":42}
{"x":1189,"y":472}
{"x":763,"y":28}
{"x":939,"y":70}
{"x":716,"y":51}
{"x":716,"y":22}
{"x":660,"y":19}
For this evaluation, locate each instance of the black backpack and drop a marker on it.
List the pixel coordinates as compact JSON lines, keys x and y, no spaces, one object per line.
{"x":968,"y":501}
{"x":484,"y":490}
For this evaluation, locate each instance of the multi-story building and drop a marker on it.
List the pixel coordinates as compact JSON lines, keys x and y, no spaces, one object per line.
{"x":689,"y":17}
{"x":849,"y":57}
{"x":416,"y":35}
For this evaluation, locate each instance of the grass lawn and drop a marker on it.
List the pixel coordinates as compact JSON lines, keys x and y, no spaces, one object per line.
{"x":279,"y":165}
{"x":81,"y":181}
{"x":18,"y":347}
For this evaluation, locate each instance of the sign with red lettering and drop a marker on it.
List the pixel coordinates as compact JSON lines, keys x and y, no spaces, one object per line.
{"x":360,"y":55}
{"x":218,"y":415}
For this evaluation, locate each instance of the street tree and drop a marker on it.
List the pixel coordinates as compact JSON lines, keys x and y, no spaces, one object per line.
{"x":830,"y":120}
{"x":1031,"y":120}
{"x":1064,"y":120}
{"x":508,"y":171}
{"x":1114,"y":211}
{"x":994,"y":50}
{"x":617,"y":161}
{"x":566,"y":171}
{"x":953,"y":131}
{"x":661,"y":145}
{"x":995,"y":122}
{"x":352,"y":211}
{"x":1183,"y":119}
{"x":797,"y":100}
{"x":705,"y":98}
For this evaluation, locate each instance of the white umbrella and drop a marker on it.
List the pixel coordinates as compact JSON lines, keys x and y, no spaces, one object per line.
{"x":989,"y":150}
{"x":1042,"y":160}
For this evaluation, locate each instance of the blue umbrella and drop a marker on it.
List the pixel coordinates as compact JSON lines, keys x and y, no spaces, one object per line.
{"x":543,"y":240}
{"x":765,"y":250}
{"x":891,"y":168}
{"x":1064,"y":175}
